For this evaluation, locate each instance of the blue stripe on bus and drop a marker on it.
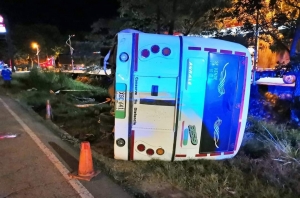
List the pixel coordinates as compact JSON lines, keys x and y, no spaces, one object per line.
{"x":135,"y":39}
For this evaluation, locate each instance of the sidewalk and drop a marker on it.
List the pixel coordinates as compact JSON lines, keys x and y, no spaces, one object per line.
{"x":36,"y":162}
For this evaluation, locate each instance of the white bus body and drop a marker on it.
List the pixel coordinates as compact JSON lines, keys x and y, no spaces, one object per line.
{"x":179,"y":98}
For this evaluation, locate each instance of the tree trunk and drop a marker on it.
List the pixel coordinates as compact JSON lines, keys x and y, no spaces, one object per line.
{"x":295,"y":39}
{"x":173,"y":16}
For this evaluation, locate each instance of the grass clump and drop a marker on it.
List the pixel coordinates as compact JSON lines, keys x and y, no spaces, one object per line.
{"x":267,"y":165}
{"x":36,"y":87}
{"x":253,"y":172}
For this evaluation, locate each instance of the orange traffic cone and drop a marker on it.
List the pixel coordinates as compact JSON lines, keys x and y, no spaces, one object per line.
{"x":85,"y":169}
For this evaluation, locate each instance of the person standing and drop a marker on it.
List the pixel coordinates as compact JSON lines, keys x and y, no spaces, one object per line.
{"x":6,"y":76}
{"x":29,"y":63}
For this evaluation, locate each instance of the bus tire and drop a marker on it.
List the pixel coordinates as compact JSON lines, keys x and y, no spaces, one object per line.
{"x":107,"y":118}
{"x":106,"y":128}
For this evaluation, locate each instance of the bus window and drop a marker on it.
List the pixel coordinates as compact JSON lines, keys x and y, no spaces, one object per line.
{"x":179,"y":98}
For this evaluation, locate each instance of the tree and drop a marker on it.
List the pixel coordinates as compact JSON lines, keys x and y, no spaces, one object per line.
{"x":104,"y":30}
{"x":172,"y":15}
{"x":146,"y":15}
{"x":201,"y":15}
{"x":273,"y":16}
{"x":48,"y":37}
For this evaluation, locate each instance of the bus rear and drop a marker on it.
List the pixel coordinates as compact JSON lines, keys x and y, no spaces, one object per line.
{"x":178,"y":98}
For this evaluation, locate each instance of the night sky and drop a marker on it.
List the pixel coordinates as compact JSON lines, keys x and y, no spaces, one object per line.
{"x":67,"y":15}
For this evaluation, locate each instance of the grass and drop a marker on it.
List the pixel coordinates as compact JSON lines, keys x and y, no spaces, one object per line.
{"x":267,"y":165}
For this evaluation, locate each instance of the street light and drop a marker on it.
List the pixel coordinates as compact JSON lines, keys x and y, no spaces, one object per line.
{"x":68,"y":42}
{"x":35,"y":45}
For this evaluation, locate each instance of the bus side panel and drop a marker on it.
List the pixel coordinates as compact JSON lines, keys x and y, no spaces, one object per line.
{"x":234,"y":131}
{"x":193,"y":85}
{"x":245,"y":103}
{"x":122,"y":88}
{"x":219,"y":103}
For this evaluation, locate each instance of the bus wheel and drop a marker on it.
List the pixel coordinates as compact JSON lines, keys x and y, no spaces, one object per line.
{"x":107,"y":118}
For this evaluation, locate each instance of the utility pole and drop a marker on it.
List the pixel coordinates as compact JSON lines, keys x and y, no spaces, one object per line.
{"x":68,"y":42}
{"x":37,"y":54}
{"x":256,"y":47}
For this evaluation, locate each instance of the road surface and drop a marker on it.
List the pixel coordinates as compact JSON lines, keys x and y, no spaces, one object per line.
{"x":36,"y":163}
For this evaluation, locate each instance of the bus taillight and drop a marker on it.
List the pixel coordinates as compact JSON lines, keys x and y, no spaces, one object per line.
{"x":141,"y":147}
{"x":166,"y":51}
{"x":160,"y":151}
{"x":155,"y":49}
{"x":150,"y":151}
{"x":145,"y":53}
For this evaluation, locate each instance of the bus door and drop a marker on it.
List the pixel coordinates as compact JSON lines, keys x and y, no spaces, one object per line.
{"x":222,"y":106}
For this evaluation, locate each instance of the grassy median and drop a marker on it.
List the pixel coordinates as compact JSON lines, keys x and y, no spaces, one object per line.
{"x":267,"y":165}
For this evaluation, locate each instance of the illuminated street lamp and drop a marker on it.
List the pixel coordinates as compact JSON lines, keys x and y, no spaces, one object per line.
{"x":35,"y":45}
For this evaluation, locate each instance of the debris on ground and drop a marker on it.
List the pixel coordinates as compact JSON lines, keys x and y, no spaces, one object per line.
{"x":32,"y":89}
{"x":6,"y":136}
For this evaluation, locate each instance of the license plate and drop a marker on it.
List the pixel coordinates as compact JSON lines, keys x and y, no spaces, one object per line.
{"x":120,"y":100}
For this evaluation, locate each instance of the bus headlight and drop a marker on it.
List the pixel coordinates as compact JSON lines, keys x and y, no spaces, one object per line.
{"x":124,"y":57}
{"x":120,"y":142}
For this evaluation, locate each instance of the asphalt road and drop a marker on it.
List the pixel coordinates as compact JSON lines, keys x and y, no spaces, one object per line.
{"x":36,"y":163}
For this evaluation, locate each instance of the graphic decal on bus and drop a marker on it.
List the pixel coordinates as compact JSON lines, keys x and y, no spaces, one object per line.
{"x":217,"y":124}
{"x":221,"y":88}
{"x":190,"y":73}
{"x":220,"y":116}
{"x":193,"y":134}
{"x":189,"y":133}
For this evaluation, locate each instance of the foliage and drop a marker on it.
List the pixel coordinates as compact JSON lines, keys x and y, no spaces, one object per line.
{"x":243,"y":176}
{"x":204,"y":15}
{"x":262,"y":168}
{"x":48,"y":38}
{"x":104,"y":30}
{"x":84,"y":52}
{"x":171,"y":15}
{"x":272,"y":16}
